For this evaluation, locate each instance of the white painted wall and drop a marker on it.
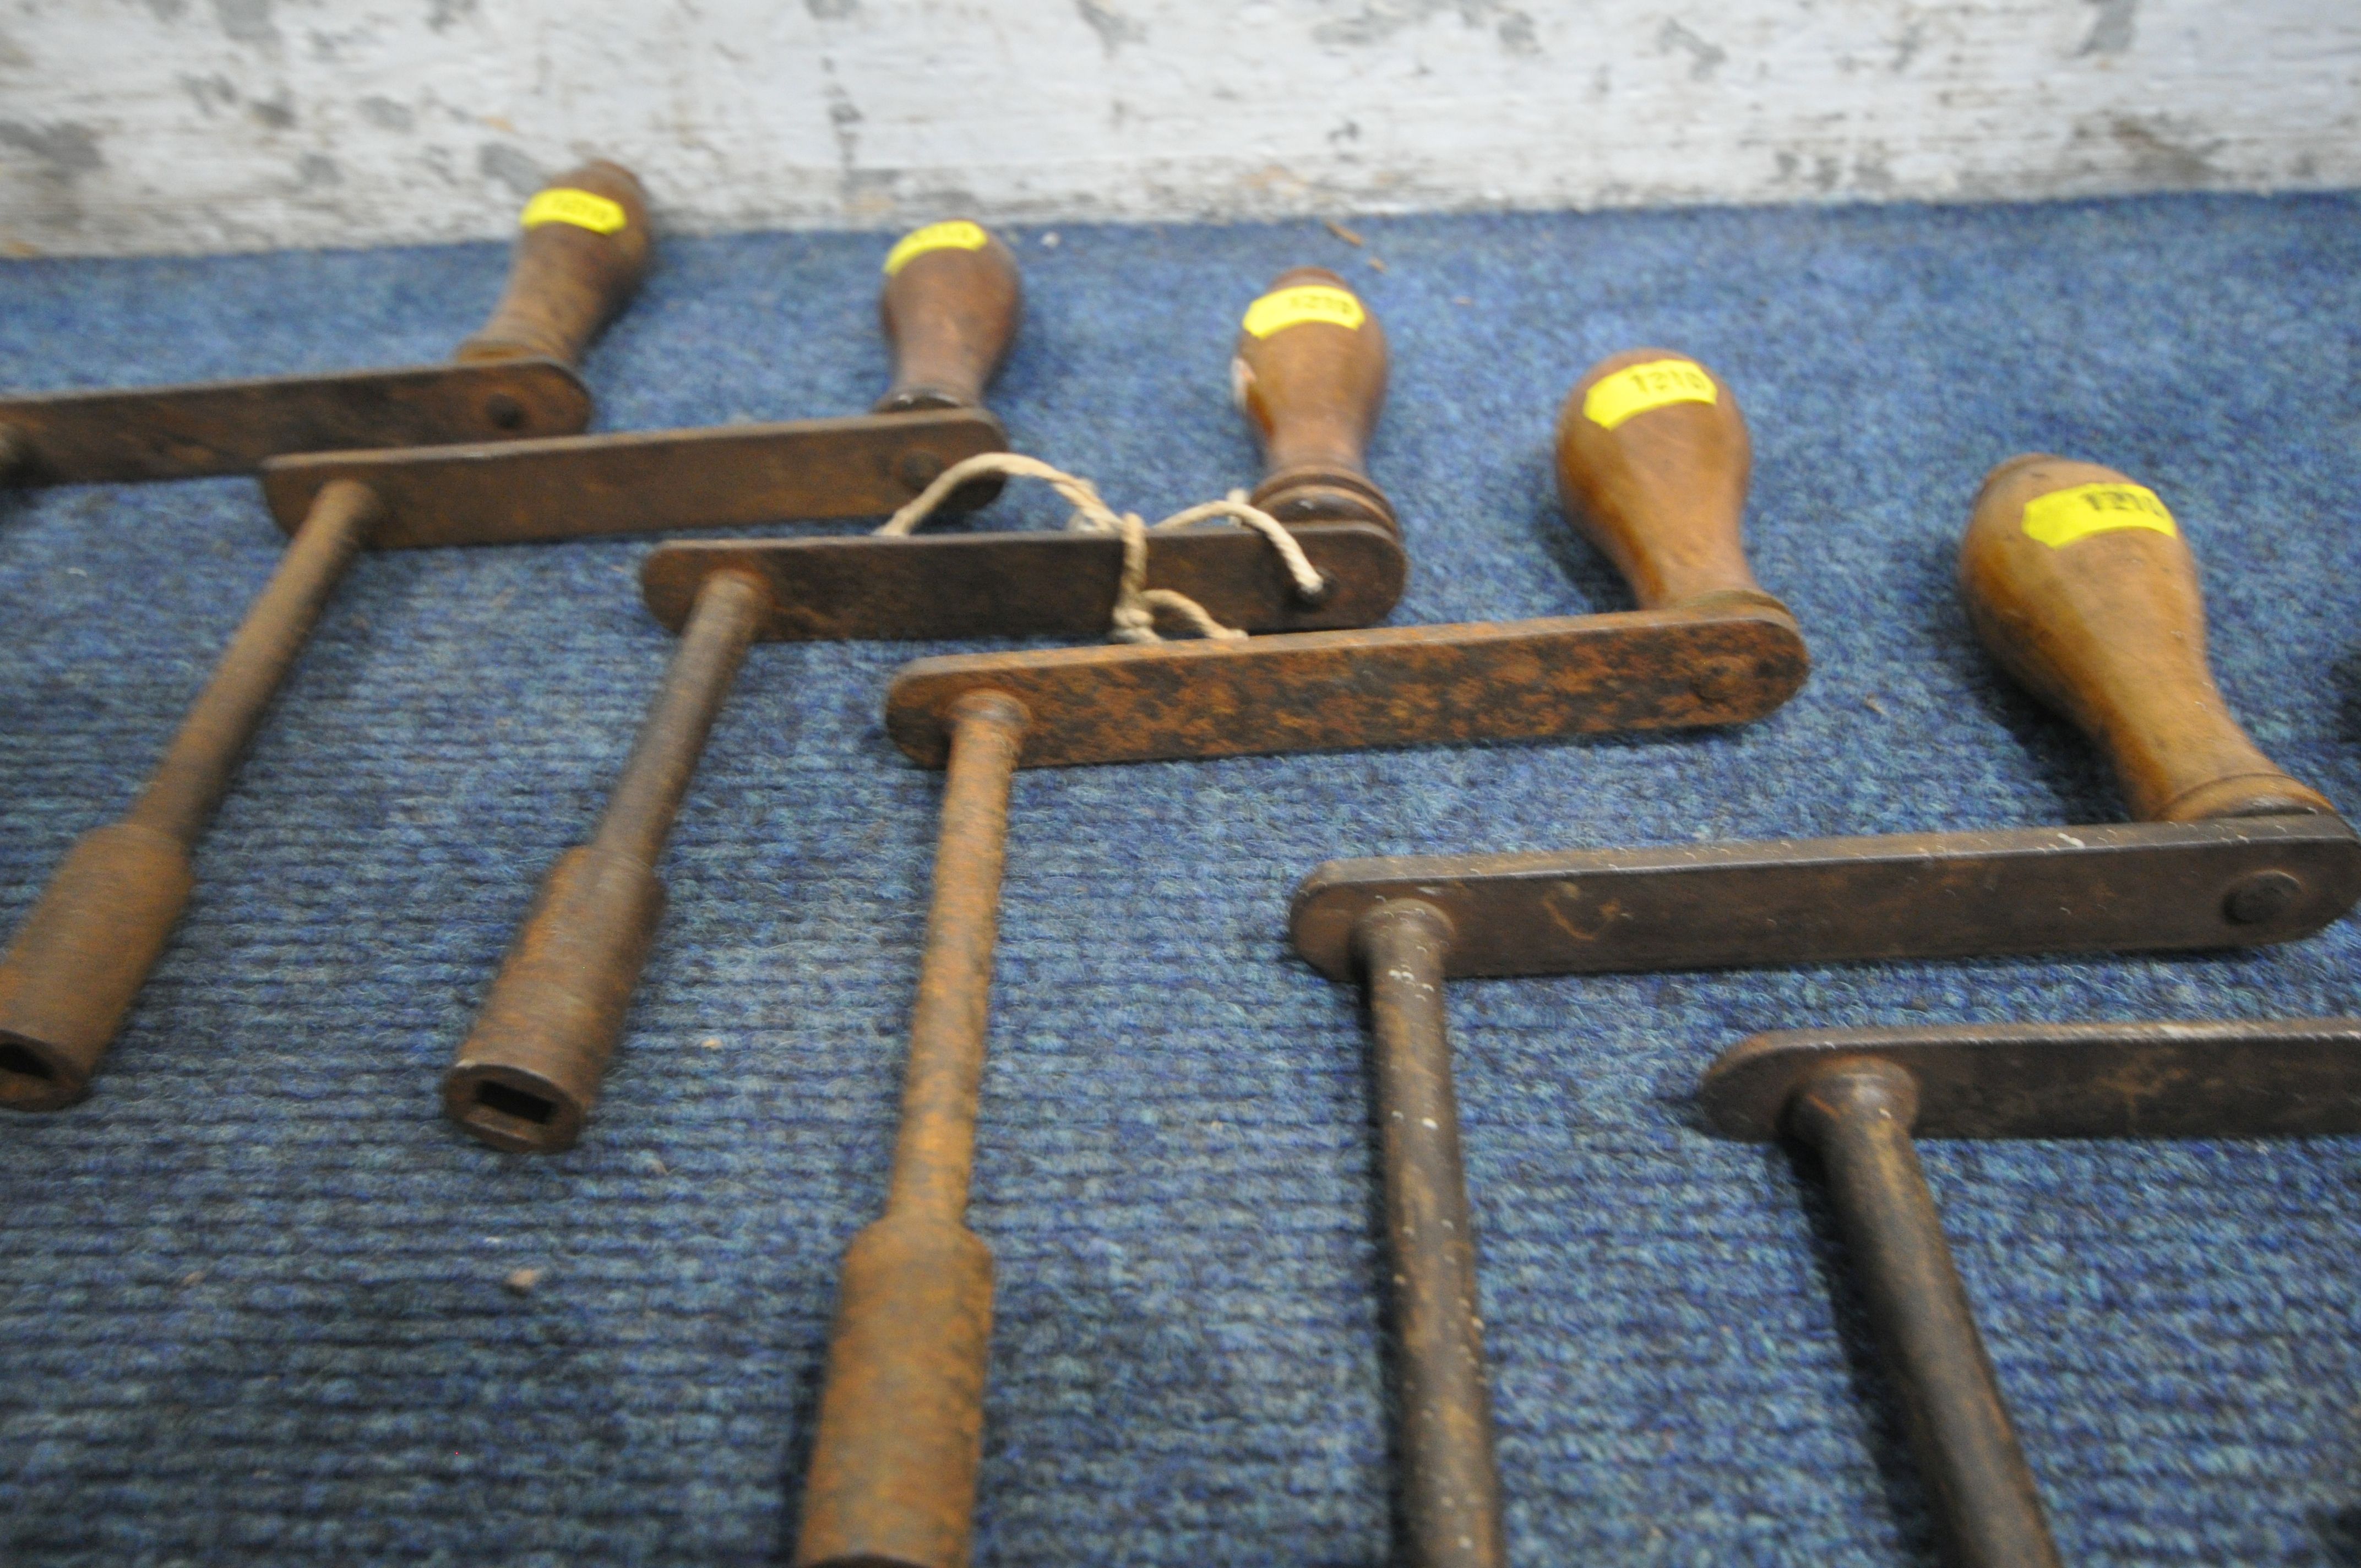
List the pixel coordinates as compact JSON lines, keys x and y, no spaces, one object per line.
{"x":205,"y":124}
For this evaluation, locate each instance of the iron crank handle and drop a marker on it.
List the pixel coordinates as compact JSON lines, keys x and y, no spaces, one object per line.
{"x":1310,"y":371}
{"x":2079,"y":581}
{"x":1653,"y":460}
{"x":528,"y":1074}
{"x":581,"y":255}
{"x":950,"y":308}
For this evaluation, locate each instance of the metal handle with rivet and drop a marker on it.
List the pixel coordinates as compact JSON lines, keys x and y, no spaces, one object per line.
{"x":83,"y":953}
{"x":2079,"y":581}
{"x":528,"y":1072}
{"x":1310,"y":371}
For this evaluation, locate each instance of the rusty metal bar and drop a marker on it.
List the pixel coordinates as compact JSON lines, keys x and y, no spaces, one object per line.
{"x":1857,"y":1116}
{"x":901,"y":1416}
{"x":1451,"y":1484}
{"x":80,"y":958}
{"x":528,"y":1074}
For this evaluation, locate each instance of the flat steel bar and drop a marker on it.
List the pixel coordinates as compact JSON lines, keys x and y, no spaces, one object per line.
{"x":640,"y":481}
{"x":1408,"y":685}
{"x":1858,"y":1115}
{"x":1451,"y":1484}
{"x":231,"y":427}
{"x":2142,"y":886}
{"x":1032,"y":584}
{"x":2207,"y":1078}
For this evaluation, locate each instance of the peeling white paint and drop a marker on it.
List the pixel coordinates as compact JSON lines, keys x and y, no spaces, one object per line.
{"x":209,"y":124}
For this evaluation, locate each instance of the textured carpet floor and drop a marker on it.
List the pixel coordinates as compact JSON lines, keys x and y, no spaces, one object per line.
{"x":251,"y":1299}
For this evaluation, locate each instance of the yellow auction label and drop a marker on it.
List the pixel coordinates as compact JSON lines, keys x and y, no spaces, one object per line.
{"x":583,"y":209}
{"x":1636,"y":389}
{"x":1284,"y":308}
{"x":957,"y":235}
{"x":2061,"y":517}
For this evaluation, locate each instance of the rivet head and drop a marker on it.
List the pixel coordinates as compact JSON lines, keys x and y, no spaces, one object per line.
{"x":504,"y":411}
{"x":918,"y":469}
{"x":2262,"y":897}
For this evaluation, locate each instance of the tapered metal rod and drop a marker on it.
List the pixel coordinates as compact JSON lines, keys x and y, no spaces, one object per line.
{"x":528,"y":1072}
{"x":901,"y":1414}
{"x":1857,"y":1116}
{"x":1451,"y":1484}
{"x":81,"y":955}
{"x":189,"y":784}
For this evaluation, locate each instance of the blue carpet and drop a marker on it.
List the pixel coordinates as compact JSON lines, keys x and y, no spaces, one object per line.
{"x":251,"y":1293}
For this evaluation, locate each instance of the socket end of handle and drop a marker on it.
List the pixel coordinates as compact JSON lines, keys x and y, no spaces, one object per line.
{"x":901,"y":1416}
{"x":529,"y":1073}
{"x":79,"y":958}
{"x":582,"y":254}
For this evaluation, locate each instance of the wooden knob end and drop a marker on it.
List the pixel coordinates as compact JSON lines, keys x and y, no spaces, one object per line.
{"x":2079,"y":581}
{"x":1652,"y":459}
{"x":583,"y":248}
{"x":950,"y":307}
{"x":1310,"y":371}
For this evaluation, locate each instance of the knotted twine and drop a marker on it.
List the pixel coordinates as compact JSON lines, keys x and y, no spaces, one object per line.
{"x":1135,"y":603}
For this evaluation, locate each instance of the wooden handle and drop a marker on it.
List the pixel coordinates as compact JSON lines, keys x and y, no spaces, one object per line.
{"x":950,"y":308}
{"x":2079,"y":581}
{"x":581,"y":258}
{"x":1309,"y":370}
{"x":1652,"y":459}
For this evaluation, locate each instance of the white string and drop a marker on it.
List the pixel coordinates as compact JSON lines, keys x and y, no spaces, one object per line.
{"x":1135,"y":603}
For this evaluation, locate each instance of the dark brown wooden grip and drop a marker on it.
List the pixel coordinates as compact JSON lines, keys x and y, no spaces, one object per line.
{"x":950,"y":308}
{"x":1313,"y":385}
{"x":2090,"y":599}
{"x":575,"y":268}
{"x":1653,"y":460}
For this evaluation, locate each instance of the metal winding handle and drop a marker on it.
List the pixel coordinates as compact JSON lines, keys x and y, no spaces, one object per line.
{"x":950,"y":308}
{"x":581,"y":258}
{"x":1653,"y":460}
{"x":1310,"y":371}
{"x":2079,"y":581}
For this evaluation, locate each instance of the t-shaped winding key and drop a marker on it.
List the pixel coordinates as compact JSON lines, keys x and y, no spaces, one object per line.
{"x":950,"y":304}
{"x":1860,"y":1096}
{"x":584,"y":247}
{"x":2077,"y":581}
{"x":1310,"y":370}
{"x":1657,"y":471}
{"x":530,"y":1072}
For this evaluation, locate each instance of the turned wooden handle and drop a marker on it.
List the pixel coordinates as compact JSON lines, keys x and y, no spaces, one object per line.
{"x":950,"y":307}
{"x":580,"y":260}
{"x":1309,"y":370}
{"x":1652,"y":459}
{"x":2077,"y":580}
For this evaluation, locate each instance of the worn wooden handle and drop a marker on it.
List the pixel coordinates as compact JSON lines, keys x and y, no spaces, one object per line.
{"x":1652,"y":459}
{"x":1309,"y":370}
{"x":2077,"y":580}
{"x":950,"y":307}
{"x":581,"y":258}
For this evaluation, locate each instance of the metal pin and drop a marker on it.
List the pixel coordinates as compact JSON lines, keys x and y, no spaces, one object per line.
{"x":1451,"y":1484}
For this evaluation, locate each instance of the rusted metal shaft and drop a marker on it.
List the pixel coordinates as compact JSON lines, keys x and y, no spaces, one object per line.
{"x":1857,"y":1114}
{"x":527,"y":1076}
{"x":81,"y":955}
{"x":901,"y":1416}
{"x":1451,"y":1488}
